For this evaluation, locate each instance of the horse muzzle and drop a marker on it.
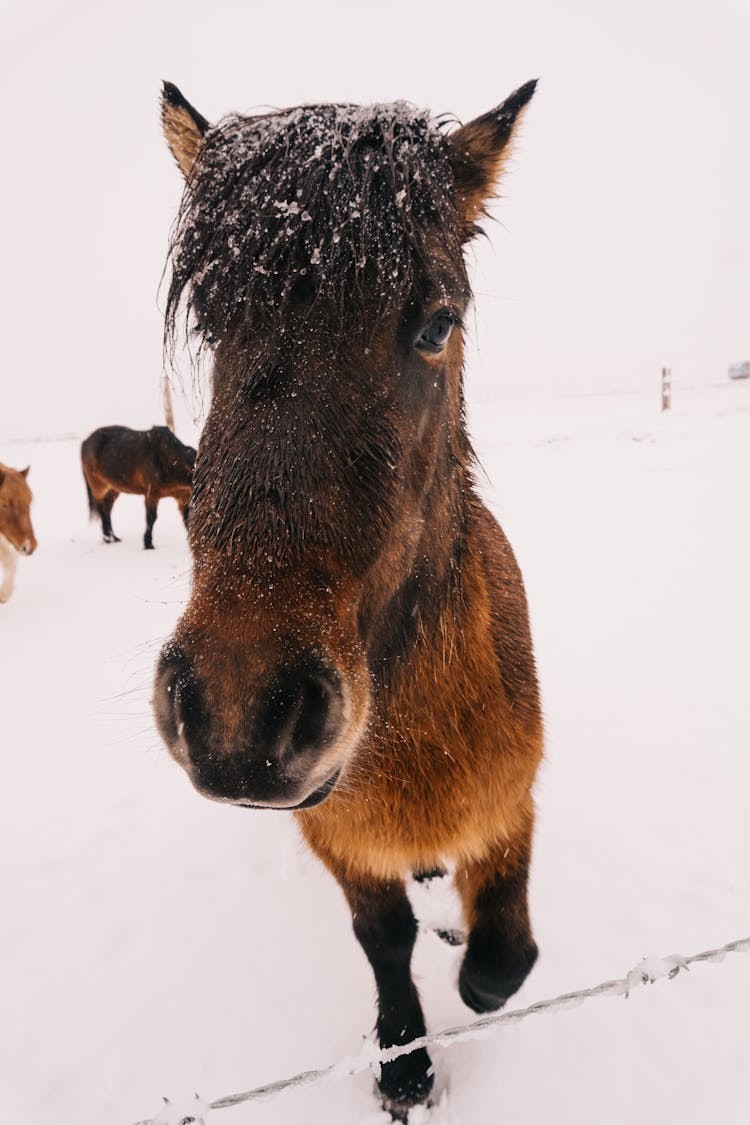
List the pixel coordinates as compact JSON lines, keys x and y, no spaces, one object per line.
{"x":25,"y":546}
{"x":284,"y":752}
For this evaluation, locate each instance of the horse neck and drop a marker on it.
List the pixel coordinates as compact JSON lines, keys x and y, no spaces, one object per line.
{"x":17,"y":492}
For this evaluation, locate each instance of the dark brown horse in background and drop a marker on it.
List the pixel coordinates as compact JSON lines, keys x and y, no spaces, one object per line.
{"x":356,"y":646}
{"x":151,"y":463}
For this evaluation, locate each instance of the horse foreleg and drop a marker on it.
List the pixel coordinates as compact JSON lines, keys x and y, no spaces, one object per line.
{"x":8,"y":564}
{"x":500,"y":951}
{"x":152,"y":502}
{"x":386,"y":928}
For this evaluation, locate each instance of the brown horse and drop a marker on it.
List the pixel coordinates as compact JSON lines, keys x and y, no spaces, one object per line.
{"x":16,"y":533}
{"x":151,"y":463}
{"x":356,"y":646}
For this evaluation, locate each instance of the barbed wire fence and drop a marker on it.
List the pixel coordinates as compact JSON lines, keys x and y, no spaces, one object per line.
{"x":371,"y":1057}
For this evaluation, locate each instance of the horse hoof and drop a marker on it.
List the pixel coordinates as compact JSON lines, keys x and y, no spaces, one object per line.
{"x":426,"y":875}
{"x":486,"y":990}
{"x":451,"y":937}
{"x":406,"y":1082}
{"x":148,"y":546}
{"x":477,"y":998}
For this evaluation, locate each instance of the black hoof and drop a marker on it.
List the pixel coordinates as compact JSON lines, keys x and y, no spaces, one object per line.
{"x":426,"y":875}
{"x":486,"y":988}
{"x":452,"y":937}
{"x":406,"y":1082}
{"x":479,"y":999}
{"x":148,"y":546}
{"x":112,"y":539}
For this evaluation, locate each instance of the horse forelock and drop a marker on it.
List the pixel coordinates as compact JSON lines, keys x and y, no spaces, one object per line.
{"x":336,"y":204}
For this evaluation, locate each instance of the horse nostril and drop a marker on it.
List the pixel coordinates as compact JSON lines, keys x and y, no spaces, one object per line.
{"x":312,"y":710}
{"x":173,"y":690}
{"x":303,"y":710}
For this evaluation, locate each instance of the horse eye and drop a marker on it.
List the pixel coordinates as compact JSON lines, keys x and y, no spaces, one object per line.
{"x":435,"y":336}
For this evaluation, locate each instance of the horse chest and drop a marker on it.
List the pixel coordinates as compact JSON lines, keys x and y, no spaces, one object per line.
{"x":412,"y":802}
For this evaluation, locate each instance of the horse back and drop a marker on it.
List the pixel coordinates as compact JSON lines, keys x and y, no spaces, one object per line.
{"x":137,"y":461}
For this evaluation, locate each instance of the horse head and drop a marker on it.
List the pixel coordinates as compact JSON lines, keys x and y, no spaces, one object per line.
{"x":319,"y":254}
{"x":15,"y":509}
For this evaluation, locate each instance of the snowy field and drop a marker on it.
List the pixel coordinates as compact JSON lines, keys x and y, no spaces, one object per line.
{"x":154,"y":943}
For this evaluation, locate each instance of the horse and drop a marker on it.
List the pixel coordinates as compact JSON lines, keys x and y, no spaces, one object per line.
{"x":356,"y":645}
{"x":151,"y":463}
{"x":16,"y":533}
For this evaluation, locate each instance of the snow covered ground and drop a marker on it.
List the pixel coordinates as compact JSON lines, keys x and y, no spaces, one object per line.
{"x":154,"y":943}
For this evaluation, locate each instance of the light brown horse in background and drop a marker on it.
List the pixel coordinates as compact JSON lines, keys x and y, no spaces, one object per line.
{"x":16,"y":533}
{"x":356,"y":646}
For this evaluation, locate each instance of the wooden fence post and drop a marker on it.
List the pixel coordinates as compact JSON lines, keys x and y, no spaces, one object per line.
{"x":666,"y":388}
{"x":166,"y":394}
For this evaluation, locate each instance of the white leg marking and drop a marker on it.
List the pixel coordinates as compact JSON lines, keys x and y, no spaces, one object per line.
{"x":8,"y":564}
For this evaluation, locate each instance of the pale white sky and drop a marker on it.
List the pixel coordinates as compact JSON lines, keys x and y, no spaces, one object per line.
{"x":623,"y":241}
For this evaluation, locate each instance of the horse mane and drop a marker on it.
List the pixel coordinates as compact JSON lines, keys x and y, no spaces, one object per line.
{"x":167,"y":447}
{"x":328,"y":203}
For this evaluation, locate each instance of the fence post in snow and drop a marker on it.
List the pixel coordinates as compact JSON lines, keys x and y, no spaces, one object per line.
{"x":666,"y":388}
{"x":166,"y":392}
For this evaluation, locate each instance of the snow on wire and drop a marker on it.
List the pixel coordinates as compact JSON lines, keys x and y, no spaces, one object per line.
{"x":371,"y":1057}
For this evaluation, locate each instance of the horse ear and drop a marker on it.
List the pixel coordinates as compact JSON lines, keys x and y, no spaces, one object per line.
{"x":479,"y":151}
{"x":25,"y":472}
{"x":183,"y":127}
